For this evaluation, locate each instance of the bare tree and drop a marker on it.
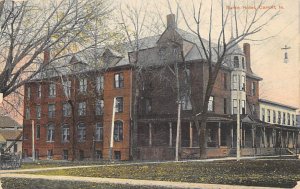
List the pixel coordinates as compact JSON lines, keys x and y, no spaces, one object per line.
{"x":215,"y":54}
{"x":28,"y":28}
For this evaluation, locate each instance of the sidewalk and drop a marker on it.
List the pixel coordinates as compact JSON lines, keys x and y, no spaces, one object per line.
{"x":165,"y":184}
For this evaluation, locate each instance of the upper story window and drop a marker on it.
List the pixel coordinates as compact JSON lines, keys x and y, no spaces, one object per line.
{"x":38,"y":132}
{"x":253,"y":88}
{"x":269,"y":115}
{"x":236,"y":63}
{"x":186,"y":103}
{"x":235,"y":106}
{"x":65,"y":133}
{"x":274,"y":116}
{"x":225,"y":106}
{"x":243,"y":108}
{"x":225,"y":80}
{"x":27,"y":113}
{"x":81,"y":134}
{"x":293,"y":119}
{"x":253,"y":109}
{"x":234,"y":82}
{"x":67,"y":88}
{"x":263,"y":115}
{"x":52,"y":90}
{"x":82,"y":108}
{"x":288,"y":118}
{"x":283,"y":118}
{"x":28,"y":93}
{"x":83,"y":85}
{"x":51,"y":110}
{"x":99,"y":132}
{"x":118,"y":131}
{"x":243,"y":63}
{"x":50,"y":133}
{"x":66,"y":109}
{"x":279,"y":117}
{"x":39,"y":90}
{"x":119,"y":80}
{"x":100,"y":83}
{"x":119,"y":104}
{"x":211,"y":104}
{"x":38,"y":112}
{"x":99,"y":107}
{"x":242,"y":83}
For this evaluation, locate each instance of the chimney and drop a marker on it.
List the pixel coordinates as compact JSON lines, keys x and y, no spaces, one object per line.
{"x":171,"y":21}
{"x":46,"y":56}
{"x":247,"y":53}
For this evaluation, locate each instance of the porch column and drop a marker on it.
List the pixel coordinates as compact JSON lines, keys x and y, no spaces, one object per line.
{"x":281,"y":141}
{"x":191,"y":134}
{"x":219,"y":134}
{"x":253,"y":135}
{"x":287,"y":139}
{"x":273,"y":139}
{"x":170,"y":130}
{"x":293,"y":139}
{"x":265,"y":138}
{"x":244,"y":137}
{"x":150,"y":134}
{"x":231,"y":133}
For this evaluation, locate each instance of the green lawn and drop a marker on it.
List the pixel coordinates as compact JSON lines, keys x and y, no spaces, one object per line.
{"x":272,"y":173}
{"x":48,"y":164}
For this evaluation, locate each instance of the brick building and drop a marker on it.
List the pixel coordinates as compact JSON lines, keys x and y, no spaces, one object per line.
{"x":70,"y":104}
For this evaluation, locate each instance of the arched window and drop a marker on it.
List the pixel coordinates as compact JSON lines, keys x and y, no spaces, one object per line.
{"x":236,"y":62}
{"x":118,"y":131}
{"x":81,"y":132}
{"x":50,"y":132}
{"x":65,"y":133}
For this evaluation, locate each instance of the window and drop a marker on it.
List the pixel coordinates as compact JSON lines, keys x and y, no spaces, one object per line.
{"x":81,"y":154}
{"x":186,"y":103}
{"x":288,"y":118}
{"x":37,"y":156}
{"x":117,"y":155}
{"x":28,"y":93}
{"x":99,"y":83}
{"x":99,"y":132}
{"x":283,"y":118}
{"x":235,"y":106}
{"x":279,"y":117}
{"x":67,"y":88}
{"x":253,"y":88}
{"x":236,"y":62}
{"x":65,"y":133}
{"x":243,"y":62}
{"x":99,"y":107}
{"x":293,"y":119}
{"x":243,"y":107}
{"x":52,"y":90}
{"x":225,"y":81}
{"x":81,"y":132}
{"x":274,"y":116}
{"x":27,"y":113}
{"x":234,"y":82}
{"x":66,"y":109}
{"x":49,"y":154}
{"x":15,"y":148}
{"x":119,"y":104}
{"x":65,"y":155}
{"x":242,"y":83}
{"x":263,"y":114}
{"x":211,"y":104}
{"x":82,"y":85}
{"x":38,"y":112}
{"x":253,"y":109}
{"x":269,"y":115}
{"x":39,"y":91}
{"x":98,"y":154}
{"x":38,"y":132}
{"x":118,"y":131}
{"x":119,"y":80}
{"x":51,"y":110}
{"x":225,"y":106}
{"x":50,"y":133}
{"x":82,"y":108}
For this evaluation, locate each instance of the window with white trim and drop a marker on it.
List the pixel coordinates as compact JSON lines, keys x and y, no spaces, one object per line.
{"x":52,"y":90}
{"x":119,"y":104}
{"x":99,"y":107}
{"x":82,"y":85}
{"x":67,"y":109}
{"x":65,"y":133}
{"x":235,"y":106}
{"x":119,"y":80}
{"x":82,"y":108}
{"x":51,"y":110}
{"x":99,"y":132}
{"x":50,"y":133}
{"x":67,"y":88}
{"x":100,"y":83}
{"x":118,"y":131}
{"x":38,"y":112}
{"x":81,"y":132}
{"x":234,"y":82}
{"x":211,"y":104}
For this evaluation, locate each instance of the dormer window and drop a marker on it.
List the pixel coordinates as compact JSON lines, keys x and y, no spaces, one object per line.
{"x":236,"y":62}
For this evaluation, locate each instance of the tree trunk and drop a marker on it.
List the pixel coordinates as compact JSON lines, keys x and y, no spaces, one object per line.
{"x":202,"y":139}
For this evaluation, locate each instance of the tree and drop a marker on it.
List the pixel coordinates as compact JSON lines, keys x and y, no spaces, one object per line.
{"x":29,"y":28}
{"x":246,"y":23}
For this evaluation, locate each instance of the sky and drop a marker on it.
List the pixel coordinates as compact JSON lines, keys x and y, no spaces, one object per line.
{"x":281,"y":81}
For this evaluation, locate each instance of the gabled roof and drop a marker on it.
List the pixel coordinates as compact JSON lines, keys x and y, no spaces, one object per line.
{"x":8,"y":122}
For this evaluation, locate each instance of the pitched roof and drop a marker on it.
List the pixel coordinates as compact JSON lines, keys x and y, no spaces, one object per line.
{"x":8,"y":122}
{"x":10,"y":134}
{"x":277,"y":103}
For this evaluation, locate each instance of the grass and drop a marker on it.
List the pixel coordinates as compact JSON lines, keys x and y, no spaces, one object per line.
{"x":18,"y":183}
{"x":271,"y":173}
{"x":50,"y":164}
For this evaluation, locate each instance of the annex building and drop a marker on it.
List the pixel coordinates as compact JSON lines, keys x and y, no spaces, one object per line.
{"x":70,"y":104}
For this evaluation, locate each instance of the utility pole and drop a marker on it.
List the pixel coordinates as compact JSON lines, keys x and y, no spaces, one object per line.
{"x":112,"y":129}
{"x":238,"y":122}
{"x":33,"y":147}
{"x":178,"y":132}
